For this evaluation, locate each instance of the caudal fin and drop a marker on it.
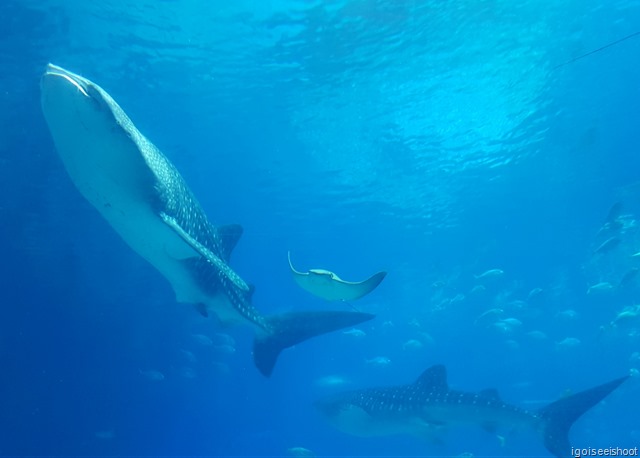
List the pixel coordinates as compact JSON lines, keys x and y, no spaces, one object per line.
{"x":559,"y":416}
{"x":292,"y":328}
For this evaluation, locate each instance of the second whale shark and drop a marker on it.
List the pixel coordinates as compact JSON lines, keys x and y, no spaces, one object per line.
{"x":426,"y":407}
{"x":144,"y":198}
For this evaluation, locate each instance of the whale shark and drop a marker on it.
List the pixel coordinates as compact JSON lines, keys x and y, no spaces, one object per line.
{"x":427,"y":407}
{"x":144,"y":198}
{"x":328,"y":286}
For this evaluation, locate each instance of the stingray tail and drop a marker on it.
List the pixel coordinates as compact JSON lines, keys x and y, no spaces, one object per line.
{"x":558,"y":417}
{"x":289,"y":329}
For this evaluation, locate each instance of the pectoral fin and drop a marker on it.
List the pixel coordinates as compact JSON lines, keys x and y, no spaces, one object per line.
{"x":205,"y":252}
{"x":432,"y":432}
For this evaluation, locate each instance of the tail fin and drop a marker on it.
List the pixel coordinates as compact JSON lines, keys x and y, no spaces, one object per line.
{"x":559,"y":416}
{"x":291,"y":328}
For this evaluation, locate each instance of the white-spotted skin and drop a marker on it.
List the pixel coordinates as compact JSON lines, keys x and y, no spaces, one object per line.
{"x":137,"y":190}
{"x":438,"y":408}
{"x":421,"y":408}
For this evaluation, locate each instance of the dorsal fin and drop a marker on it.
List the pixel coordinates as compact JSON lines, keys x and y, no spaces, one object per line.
{"x":491,"y":394}
{"x":229,"y":234}
{"x":434,"y":378}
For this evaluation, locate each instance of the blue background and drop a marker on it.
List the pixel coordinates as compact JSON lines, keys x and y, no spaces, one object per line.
{"x":431,"y":139}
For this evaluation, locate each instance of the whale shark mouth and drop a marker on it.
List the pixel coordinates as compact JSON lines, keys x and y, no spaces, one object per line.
{"x":54,"y":70}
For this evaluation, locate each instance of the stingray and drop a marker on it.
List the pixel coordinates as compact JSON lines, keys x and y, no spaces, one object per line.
{"x":328,"y":286}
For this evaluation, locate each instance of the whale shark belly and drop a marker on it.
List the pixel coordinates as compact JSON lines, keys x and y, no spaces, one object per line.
{"x":106,"y":166}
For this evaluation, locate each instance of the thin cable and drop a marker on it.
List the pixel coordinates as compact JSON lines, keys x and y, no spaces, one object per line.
{"x":596,"y":50}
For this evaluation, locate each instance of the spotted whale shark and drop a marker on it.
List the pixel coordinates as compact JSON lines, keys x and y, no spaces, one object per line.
{"x":147,"y":202}
{"x":427,"y":407}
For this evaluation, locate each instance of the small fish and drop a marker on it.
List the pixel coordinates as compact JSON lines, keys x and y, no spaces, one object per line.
{"x":202,"y":340}
{"x":300,"y":451}
{"x":626,"y":316}
{"x":489,"y":314}
{"x":223,"y":339}
{"x":599,"y":288}
{"x":354,"y":332}
{"x":489,"y":274}
{"x":607,"y":245}
{"x":227,"y":349}
{"x":189,"y":356}
{"x":613,"y":226}
{"x":152,"y":375}
{"x":534,"y":293}
{"x":187,"y":372}
{"x":507,"y":326}
{"x":568,"y":342}
{"x":568,"y":314}
{"x":537,"y":335}
{"x":412,"y":344}
{"x":512,"y":321}
{"x":379,"y":361}
{"x":478,"y":289}
{"x":426,"y":338}
{"x":414,"y":323}
{"x":517,"y":304}
{"x":331,"y":380}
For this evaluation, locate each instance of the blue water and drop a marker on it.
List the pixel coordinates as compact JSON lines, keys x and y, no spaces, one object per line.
{"x":431,"y":139}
